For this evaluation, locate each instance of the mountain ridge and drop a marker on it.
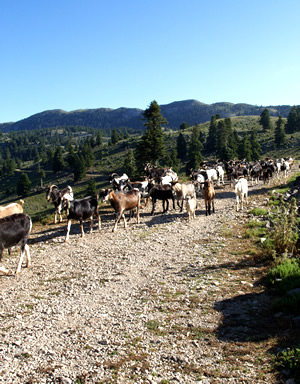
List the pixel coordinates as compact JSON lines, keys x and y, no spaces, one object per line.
{"x":190,"y":111}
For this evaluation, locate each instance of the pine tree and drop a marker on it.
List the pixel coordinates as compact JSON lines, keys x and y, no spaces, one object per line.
{"x":293,"y":120}
{"x":211,"y":142}
{"x":115,"y":137}
{"x":87,"y":155}
{"x":233,"y":145}
{"x":280,"y":136}
{"x":79,"y":169}
{"x":183,"y":126}
{"x":255,"y":146}
{"x":221,"y":139}
{"x":58,"y":161}
{"x":99,"y":139}
{"x":245,"y":148}
{"x":91,"y":189}
{"x":129,"y":164}
{"x":152,"y":145}
{"x":24,"y":185}
{"x":195,"y":147}
{"x":181,"y":146}
{"x":265,"y":120}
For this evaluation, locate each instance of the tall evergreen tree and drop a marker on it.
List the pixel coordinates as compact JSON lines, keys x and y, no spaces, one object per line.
{"x":99,"y":139}
{"x":280,"y":136}
{"x":181,"y":146}
{"x":245,"y":148}
{"x":79,"y":169}
{"x":87,"y":154}
{"x":58,"y":160}
{"x":91,"y":189}
{"x":129,"y":164}
{"x":265,"y":120}
{"x":221,"y":139}
{"x":211,"y":142}
{"x":195,"y":147}
{"x":24,"y":185}
{"x":255,"y":146}
{"x":293,"y":120}
{"x":152,"y":145}
{"x":115,"y":137}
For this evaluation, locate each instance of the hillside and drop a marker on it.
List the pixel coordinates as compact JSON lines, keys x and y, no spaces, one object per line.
{"x":189,"y":111}
{"x":110,"y":158}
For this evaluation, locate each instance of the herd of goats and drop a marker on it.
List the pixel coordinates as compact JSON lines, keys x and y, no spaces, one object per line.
{"x":125,"y":195}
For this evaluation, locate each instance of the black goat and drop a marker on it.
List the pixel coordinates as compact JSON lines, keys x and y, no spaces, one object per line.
{"x":81,"y":210}
{"x":14,"y":230}
{"x":161,"y":192}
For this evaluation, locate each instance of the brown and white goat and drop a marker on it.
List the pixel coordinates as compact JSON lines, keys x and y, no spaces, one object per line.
{"x":183,"y":191}
{"x":209,"y":197}
{"x":11,"y":209}
{"x":121,"y":202}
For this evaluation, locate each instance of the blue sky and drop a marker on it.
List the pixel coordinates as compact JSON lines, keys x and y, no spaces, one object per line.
{"x":78,"y":54}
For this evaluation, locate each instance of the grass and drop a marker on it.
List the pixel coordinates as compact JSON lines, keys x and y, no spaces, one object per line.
{"x":258,"y":212}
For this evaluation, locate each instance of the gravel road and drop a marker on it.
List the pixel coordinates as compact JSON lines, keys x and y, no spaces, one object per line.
{"x":165,"y":301}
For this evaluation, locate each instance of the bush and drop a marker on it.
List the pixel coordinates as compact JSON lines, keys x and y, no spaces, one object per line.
{"x":284,"y":222}
{"x":258,"y":212}
{"x":290,"y":359}
{"x":285,"y":276}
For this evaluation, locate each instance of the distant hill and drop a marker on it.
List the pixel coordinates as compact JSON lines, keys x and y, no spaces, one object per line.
{"x":188,"y":111}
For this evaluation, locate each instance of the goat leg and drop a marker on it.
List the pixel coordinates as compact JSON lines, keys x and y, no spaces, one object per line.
{"x":68,"y":229}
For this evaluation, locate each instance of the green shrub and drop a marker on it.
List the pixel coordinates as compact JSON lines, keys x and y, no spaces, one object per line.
{"x":285,"y":276}
{"x":290,"y":359}
{"x":284,"y":222}
{"x":255,"y":223}
{"x":258,"y":212}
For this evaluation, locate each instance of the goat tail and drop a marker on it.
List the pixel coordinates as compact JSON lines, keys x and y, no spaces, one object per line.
{"x":21,"y":202}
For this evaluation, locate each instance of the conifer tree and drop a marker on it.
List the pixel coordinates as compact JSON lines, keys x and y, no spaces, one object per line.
{"x":152,"y":145}
{"x":181,"y":146}
{"x":195,"y":147}
{"x":58,"y":160}
{"x":211,"y":142}
{"x":115,"y":137}
{"x":293,"y":120}
{"x":245,"y":148}
{"x":265,"y":120}
{"x":129,"y":164}
{"x":99,"y":139}
{"x":255,"y":146}
{"x":79,"y":169}
{"x":24,"y":185}
{"x":91,"y":189}
{"x":280,"y":136}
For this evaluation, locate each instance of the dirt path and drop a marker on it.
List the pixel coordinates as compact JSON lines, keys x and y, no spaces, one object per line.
{"x":166,"y":301}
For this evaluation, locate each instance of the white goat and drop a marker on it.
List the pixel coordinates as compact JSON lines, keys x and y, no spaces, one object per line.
{"x":191,"y":205}
{"x":220,"y":173}
{"x":241,"y":192}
